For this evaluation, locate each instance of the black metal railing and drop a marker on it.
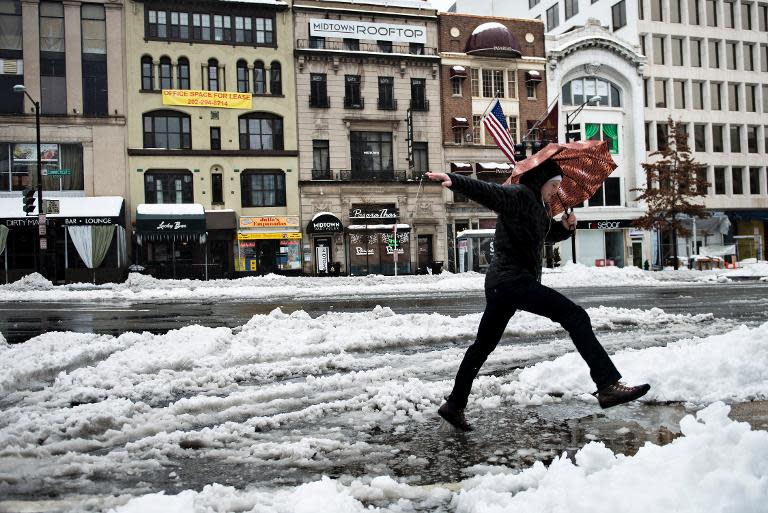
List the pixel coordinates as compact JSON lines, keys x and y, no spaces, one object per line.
{"x":320,"y":102}
{"x":365,"y":47}
{"x":354,"y":103}
{"x":387,"y":104}
{"x":365,"y":175}
{"x":420,"y":104}
{"x":322,"y":174}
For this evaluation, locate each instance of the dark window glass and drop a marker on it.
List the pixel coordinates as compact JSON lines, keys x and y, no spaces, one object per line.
{"x":262,"y":188}
{"x":553,"y":17}
{"x":372,"y":156}
{"x":661,"y":136}
{"x":265,"y":31}
{"x":243,"y":84}
{"x":321,"y":159}
{"x":619,"y":15}
{"x":213,"y":74}
{"x":612,"y":191}
{"x":385,"y":46}
{"x":387,"y":93}
{"x":217,"y":188}
{"x":711,"y":9}
{"x":95,"y":85}
{"x":166,"y":78}
{"x":754,"y":180}
{"x":168,"y":187}
{"x":714,"y":54}
{"x":147,"y":73}
{"x":700,"y":138}
{"x":418,"y":94}
{"x":243,"y":29}
{"x":661,"y":92}
{"x":420,"y":157}
{"x":352,"y":96}
{"x":416,"y":48}
{"x":352,"y":45}
{"x":733,"y":97}
{"x":746,"y":16}
{"x":157,"y":23}
{"x":316,"y":42}
{"x":719,"y":180}
{"x":53,"y":83}
{"x":167,"y":129}
{"x":182,"y":69}
{"x":657,"y":10}
{"x":571,"y":8}
{"x":694,"y":7}
{"x":675,"y":12}
{"x":215,"y":138}
{"x":716,"y":96}
{"x":695,"y":53}
{"x":275,"y":78}
{"x":259,"y":78}
{"x":717,"y":138}
{"x":735,"y":139}
{"x":318,"y":90}
{"x":752,"y":139}
{"x":737,"y":178}
{"x":261,"y":131}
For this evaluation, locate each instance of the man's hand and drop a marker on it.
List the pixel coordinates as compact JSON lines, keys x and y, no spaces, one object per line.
{"x":569,"y":221}
{"x":443,"y":178}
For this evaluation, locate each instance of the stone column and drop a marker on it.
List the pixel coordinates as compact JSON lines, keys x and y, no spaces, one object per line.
{"x":115,"y":51}
{"x":30,"y":21}
{"x":73,"y":57}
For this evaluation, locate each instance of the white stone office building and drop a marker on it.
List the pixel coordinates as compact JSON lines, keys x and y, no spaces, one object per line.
{"x":707,"y":66}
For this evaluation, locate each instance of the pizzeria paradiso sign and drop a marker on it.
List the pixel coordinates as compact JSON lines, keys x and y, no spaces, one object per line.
{"x":364,"y":30}
{"x":373,"y":214}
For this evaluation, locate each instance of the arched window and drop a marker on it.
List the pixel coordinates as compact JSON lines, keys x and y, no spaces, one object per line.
{"x":213,"y":75}
{"x":147,"y":82}
{"x":580,"y":90}
{"x":275,"y":78}
{"x":166,"y":78}
{"x":262,"y":188}
{"x":182,"y":73}
{"x":167,"y":129}
{"x":242,"y":77}
{"x":259,"y":80}
{"x":168,"y":186}
{"x":261,"y":131}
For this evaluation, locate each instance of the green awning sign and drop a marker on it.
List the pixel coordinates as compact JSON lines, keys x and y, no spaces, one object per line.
{"x":57,"y":172}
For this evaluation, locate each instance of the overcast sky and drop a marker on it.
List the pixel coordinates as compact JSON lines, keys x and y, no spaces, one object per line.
{"x":442,"y":5}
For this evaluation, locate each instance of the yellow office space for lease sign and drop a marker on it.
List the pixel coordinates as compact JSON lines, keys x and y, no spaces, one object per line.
{"x":221,"y":99}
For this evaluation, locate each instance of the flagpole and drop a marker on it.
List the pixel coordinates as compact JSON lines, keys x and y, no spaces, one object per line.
{"x":542,"y":118}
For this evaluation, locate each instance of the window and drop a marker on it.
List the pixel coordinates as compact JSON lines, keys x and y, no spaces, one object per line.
{"x":717,"y":138}
{"x":675,"y":12}
{"x":609,"y":194}
{"x":213,"y":74}
{"x":579,"y":90}
{"x":264,"y":31}
{"x":643,"y":48}
{"x":647,"y":136}
{"x":243,"y":84}
{"x":763,"y":58}
{"x":477,"y":129}
{"x":222,"y":28}
{"x":147,"y":73}
{"x":215,"y":138}
{"x":372,"y":156}
{"x":699,"y":137}
{"x":243,"y":29}
{"x":456,"y":87}
{"x":658,"y":49}
{"x":746,"y":16}
{"x":749,"y":56}
{"x":750,"y":92}
{"x":262,"y":188}
{"x":352,"y":45}
{"x":703,"y":185}
{"x":765,"y":98}
{"x":475,"y":80}
{"x":640,"y":10}
{"x":695,"y":53}
{"x":694,"y":8}
{"x":657,"y":10}
{"x":275,"y":78}
{"x":182,"y":72}
{"x":752,"y":139}
{"x":419,"y":94}
{"x":619,"y":15}
{"x":384,"y":46}
{"x":754,"y":180}
{"x":646,"y":93}
{"x":217,"y":188}
{"x":679,"y":92}
{"x":493,"y":83}
{"x":719,"y":180}
{"x":553,"y":17}
{"x":167,"y":129}
{"x":697,"y":90}
{"x":321,"y":159}
{"x":157,"y":23}
{"x":179,"y":25}
{"x":711,"y":8}
{"x":660,"y":90}
{"x":533,"y":3}
{"x":603,"y":132}
{"x":662,"y":136}
{"x":729,"y":13}
{"x":53,"y":82}
{"x":735,"y":139}
{"x":352,"y":98}
{"x":172,"y":186}
{"x":730,"y":55}
{"x":530,"y":88}
{"x":716,"y":96}
{"x":387,"y":93}
{"x":733,"y":97}
{"x":201,"y":27}
{"x":714,"y":53}
{"x":318,"y":95}
{"x":416,"y":48}
{"x":513,"y":128}
{"x":677,"y":51}
{"x":259,"y":78}
{"x":571,"y":8}
{"x":420,"y":157}
{"x":18,"y":166}
{"x":94,"y":54}
{"x":762,"y":17}
{"x":737,"y":180}
{"x":261,"y":131}
{"x":166,"y":79}
{"x":316,"y":42}
{"x":512,"y":84}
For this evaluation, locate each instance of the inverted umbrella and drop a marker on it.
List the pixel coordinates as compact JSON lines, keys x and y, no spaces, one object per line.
{"x":585,"y":165}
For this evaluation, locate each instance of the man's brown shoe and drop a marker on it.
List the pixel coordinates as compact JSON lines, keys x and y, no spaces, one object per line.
{"x":454,"y":417}
{"x":619,"y":393}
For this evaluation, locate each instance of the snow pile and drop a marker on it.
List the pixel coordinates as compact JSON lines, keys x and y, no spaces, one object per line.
{"x":729,"y":367}
{"x":29,"y":283}
{"x":717,"y":466}
{"x":752,"y":269}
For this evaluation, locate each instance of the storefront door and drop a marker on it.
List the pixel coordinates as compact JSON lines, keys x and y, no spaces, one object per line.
{"x":614,"y":247}
{"x":425,"y":251}
{"x":322,"y":255}
{"x":637,"y":254}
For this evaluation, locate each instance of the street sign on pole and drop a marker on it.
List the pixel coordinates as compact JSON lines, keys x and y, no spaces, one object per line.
{"x":51,"y":206}
{"x":42,"y":229}
{"x":57,"y":172}
{"x":41,"y":219}
{"x":43,"y":243}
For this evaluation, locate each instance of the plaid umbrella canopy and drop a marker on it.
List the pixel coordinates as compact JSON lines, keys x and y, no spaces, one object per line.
{"x":585,"y":165}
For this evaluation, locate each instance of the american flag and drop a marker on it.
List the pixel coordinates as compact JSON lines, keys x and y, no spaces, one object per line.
{"x":496,"y":124}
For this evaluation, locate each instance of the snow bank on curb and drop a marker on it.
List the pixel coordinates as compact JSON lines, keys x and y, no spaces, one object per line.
{"x":718,"y":466}
{"x":728,"y":367}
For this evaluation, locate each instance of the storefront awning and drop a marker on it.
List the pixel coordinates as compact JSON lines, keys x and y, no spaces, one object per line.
{"x":458,"y":72}
{"x":325,"y":222}
{"x":178,"y":221}
{"x":532,"y":76}
{"x":379,"y":227}
{"x":73,"y":211}
{"x":493,"y":167}
{"x":461,"y":167}
{"x":459,"y":123}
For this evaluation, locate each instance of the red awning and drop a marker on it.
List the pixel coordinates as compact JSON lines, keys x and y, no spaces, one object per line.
{"x":459,"y":123}
{"x":493,"y":167}
{"x":461,"y":167}
{"x":458,"y":72}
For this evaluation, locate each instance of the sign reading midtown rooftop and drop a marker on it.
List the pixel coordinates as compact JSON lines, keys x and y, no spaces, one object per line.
{"x":221,"y":99}
{"x":364,"y":30}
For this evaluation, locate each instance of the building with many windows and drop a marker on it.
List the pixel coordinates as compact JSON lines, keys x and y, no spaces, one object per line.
{"x":483,"y":59}
{"x":707,"y":66}
{"x":367,"y":81}
{"x":68,"y":56}
{"x":213,"y":162}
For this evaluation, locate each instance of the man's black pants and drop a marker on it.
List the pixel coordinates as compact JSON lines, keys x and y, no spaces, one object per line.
{"x":525,"y":293}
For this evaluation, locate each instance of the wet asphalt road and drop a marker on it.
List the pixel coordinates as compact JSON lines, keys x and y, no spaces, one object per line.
{"x":742,"y":301}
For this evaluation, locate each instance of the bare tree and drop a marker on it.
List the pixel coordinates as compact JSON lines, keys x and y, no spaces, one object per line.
{"x":673,"y":184}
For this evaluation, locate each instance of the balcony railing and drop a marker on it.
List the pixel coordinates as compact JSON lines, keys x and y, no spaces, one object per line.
{"x":419,"y":104}
{"x":364,"y":175}
{"x":354,"y":103}
{"x":320,"y":102}
{"x":387,"y":104}
{"x":322,"y":174}
{"x":365,"y":47}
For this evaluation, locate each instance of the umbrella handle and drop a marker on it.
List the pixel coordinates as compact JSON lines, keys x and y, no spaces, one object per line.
{"x":568,"y":212}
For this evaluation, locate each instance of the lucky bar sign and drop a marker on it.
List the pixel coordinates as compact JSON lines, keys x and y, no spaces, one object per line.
{"x":346,"y":29}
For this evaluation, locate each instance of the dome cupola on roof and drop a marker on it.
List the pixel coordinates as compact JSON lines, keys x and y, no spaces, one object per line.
{"x":493,"y":39}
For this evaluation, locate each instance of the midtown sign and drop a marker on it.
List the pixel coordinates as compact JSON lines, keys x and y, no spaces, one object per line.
{"x":363,"y":30}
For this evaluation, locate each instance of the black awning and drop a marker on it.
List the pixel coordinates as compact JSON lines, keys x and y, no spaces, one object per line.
{"x":458,"y":72}
{"x":533,"y":76}
{"x":172,"y":221}
{"x":325,"y":222}
{"x":459,"y":123}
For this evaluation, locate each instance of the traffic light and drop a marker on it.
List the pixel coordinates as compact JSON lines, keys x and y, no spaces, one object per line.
{"x":573,"y":132}
{"x":536,"y":146}
{"x":520,"y":152}
{"x":28,"y":198}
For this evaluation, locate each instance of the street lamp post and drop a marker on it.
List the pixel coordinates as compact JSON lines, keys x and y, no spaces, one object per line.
{"x":570,"y":116}
{"x":40,"y":220}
